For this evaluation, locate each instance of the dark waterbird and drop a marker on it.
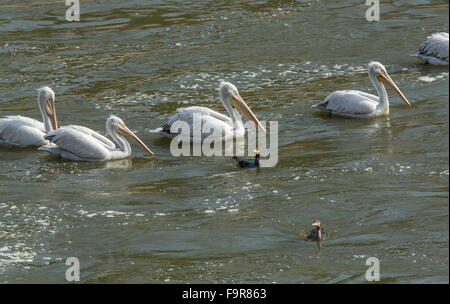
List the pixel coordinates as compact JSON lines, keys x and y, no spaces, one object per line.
{"x":248,"y":163}
{"x":317,"y":234}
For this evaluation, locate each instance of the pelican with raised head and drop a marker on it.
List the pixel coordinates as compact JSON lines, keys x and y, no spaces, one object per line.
{"x":207,"y":119}
{"x":435,"y":49}
{"x":87,"y":145}
{"x":19,"y":131}
{"x":357,"y":104}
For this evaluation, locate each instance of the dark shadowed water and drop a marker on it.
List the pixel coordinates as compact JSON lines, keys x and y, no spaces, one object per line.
{"x":379,"y":186}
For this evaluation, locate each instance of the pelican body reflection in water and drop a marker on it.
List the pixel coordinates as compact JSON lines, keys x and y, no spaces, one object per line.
{"x":19,"y":131}
{"x":357,"y":104}
{"x":83,"y":144}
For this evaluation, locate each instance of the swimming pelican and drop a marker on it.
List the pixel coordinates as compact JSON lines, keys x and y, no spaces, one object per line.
{"x":19,"y":131}
{"x":351,"y":103}
{"x":83,"y":144}
{"x":224,"y":126}
{"x":435,"y":49}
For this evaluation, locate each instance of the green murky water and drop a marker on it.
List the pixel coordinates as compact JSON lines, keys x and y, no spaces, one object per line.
{"x":379,"y":186}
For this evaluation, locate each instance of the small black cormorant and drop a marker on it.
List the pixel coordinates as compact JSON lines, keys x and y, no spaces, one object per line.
{"x":246,"y":163}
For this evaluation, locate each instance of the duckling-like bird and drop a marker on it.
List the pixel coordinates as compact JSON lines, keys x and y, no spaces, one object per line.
{"x":317,"y":234}
{"x":20,"y":131}
{"x":435,"y":49}
{"x":248,"y":163}
{"x":351,"y":103}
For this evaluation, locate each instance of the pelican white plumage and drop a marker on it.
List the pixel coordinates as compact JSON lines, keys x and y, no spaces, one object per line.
{"x":19,"y":131}
{"x":435,"y":49}
{"x":83,"y":144}
{"x":223,"y":126}
{"x":352,"y":103}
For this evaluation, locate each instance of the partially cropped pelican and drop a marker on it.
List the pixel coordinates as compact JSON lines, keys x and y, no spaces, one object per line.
{"x":351,"y":103}
{"x":83,"y":144}
{"x":223,"y":126}
{"x":19,"y":131}
{"x":435,"y":49}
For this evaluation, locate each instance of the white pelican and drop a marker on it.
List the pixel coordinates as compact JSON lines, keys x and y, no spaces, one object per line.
{"x":435,"y":49}
{"x":351,"y":103}
{"x":224,"y":126}
{"x":19,"y":131}
{"x":83,"y":144}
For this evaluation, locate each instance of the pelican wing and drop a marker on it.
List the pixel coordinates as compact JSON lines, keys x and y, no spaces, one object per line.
{"x":206,"y":111}
{"x":102,"y":139}
{"x":435,"y":49}
{"x":349,"y":103}
{"x":26,"y":121}
{"x":186,"y":115}
{"x":76,"y":145}
{"x":19,"y":131}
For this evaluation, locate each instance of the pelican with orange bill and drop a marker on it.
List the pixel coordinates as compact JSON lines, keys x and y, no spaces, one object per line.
{"x":79,"y":143}
{"x":19,"y":131}
{"x":224,"y":126}
{"x":357,"y":104}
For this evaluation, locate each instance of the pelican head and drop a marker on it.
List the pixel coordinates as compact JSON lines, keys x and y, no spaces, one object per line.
{"x":115,"y":125}
{"x":46,"y":101}
{"x":231,"y":98}
{"x":316,"y":223}
{"x":378,"y":71}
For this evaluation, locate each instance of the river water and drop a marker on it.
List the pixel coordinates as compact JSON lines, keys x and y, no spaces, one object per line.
{"x":379,"y":186}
